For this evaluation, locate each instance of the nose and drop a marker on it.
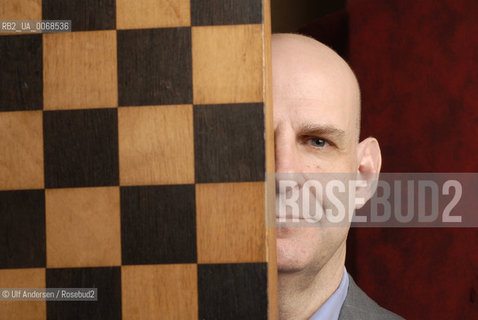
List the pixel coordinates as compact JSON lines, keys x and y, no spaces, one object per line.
{"x":286,"y":155}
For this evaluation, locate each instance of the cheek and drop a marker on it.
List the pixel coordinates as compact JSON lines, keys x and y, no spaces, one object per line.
{"x":332,"y":163}
{"x":328,"y":160}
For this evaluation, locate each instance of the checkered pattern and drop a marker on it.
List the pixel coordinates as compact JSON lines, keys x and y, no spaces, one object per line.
{"x":132,"y":159}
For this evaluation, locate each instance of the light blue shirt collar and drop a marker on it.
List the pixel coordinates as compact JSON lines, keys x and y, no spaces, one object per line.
{"x":330,"y":310}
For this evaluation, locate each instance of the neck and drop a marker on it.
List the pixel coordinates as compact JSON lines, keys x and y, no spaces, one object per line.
{"x":302,"y":293}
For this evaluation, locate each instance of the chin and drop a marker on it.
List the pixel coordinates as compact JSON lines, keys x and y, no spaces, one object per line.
{"x":289,"y":259}
{"x":286,"y":267}
{"x":305,"y":249}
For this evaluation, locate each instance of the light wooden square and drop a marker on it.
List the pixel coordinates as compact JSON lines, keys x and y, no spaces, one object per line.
{"x":20,"y":10}
{"x":83,"y":227}
{"x":21,"y":150}
{"x":152,"y":13}
{"x":79,"y":70}
{"x":156,"y":145}
{"x":227,"y":64}
{"x":164,"y":291}
{"x":22,"y":278}
{"x":230,"y":221}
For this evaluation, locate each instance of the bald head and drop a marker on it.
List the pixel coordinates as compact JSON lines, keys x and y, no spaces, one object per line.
{"x":305,"y":69}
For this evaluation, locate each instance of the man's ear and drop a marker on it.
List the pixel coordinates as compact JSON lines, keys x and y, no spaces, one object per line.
{"x":369,"y":160}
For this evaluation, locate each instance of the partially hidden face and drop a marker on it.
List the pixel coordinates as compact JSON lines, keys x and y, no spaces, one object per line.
{"x":316,"y":104}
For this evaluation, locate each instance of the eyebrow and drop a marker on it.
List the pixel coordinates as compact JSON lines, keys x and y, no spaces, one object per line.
{"x":330,"y":132}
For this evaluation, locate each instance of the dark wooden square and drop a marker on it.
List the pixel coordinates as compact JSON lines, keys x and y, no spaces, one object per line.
{"x":22,"y":229}
{"x":84,"y":15}
{"x":21,"y":80}
{"x":232,"y":291}
{"x":106,"y":279}
{"x":154,"y":66}
{"x":81,"y":148}
{"x":225,"y":12}
{"x":158,"y":224}
{"x":229,"y":142}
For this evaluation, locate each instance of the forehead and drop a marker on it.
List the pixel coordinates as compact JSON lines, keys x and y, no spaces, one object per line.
{"x":313,"y":86}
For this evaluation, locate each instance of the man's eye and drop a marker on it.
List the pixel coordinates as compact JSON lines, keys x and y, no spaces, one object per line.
{"x":317,"y":142}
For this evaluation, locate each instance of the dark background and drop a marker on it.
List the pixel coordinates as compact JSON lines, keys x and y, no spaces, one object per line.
{"x":417,"y":64}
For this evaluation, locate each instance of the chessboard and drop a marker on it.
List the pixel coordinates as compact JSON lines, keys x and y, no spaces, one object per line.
{"x":133,"y":159}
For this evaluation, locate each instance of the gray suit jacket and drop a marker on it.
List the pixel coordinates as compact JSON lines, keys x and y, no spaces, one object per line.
{"x":358,"y":306}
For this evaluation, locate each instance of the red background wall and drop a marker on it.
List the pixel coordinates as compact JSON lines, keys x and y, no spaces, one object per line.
{"x":417,"y":63}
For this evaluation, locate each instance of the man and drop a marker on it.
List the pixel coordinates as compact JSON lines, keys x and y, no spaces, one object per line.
{"x":316,"y":102}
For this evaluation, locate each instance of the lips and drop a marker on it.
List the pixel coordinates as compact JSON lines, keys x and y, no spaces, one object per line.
{"x":288,"y":218}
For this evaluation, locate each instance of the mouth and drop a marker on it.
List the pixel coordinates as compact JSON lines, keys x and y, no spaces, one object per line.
{"x":292,"y":222}
{"x":288,"y":218}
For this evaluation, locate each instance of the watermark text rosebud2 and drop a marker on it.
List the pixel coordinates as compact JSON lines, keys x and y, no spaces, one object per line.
{"x":391,"y":200}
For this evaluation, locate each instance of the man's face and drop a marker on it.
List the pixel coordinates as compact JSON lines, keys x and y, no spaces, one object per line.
{"x":316,"y":110}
